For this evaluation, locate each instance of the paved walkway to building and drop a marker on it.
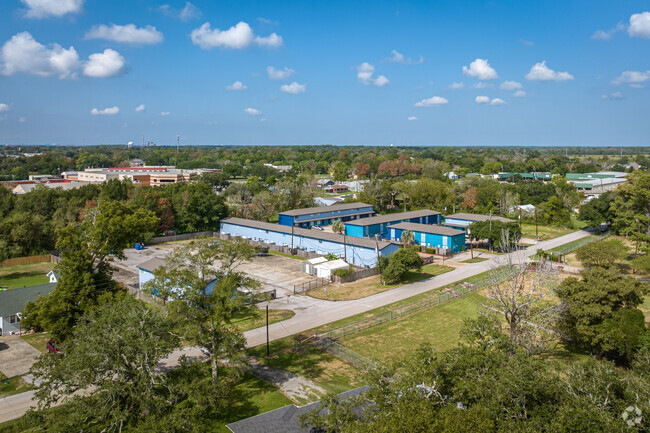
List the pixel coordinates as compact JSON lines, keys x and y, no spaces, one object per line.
{"x":311,"y":313}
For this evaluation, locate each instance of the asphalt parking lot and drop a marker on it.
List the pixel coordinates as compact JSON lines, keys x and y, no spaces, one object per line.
{"x":273,"y":271}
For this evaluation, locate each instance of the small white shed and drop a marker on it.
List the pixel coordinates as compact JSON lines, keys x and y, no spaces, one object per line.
{"x":307,"y":266}
{"x":324,"y":270}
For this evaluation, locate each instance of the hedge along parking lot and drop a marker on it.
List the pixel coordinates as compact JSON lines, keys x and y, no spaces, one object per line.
{"x":371,"y":285}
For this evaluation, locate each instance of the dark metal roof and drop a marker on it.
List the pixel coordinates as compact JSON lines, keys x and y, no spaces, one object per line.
{"x":381,"y":219}
{"x":285,"y":419}
{"x":13,"y":301}
{"x":322,"y":209}
{"x":435,"y":229}
{"x":477,"y":217}
{"x":152,"y":264}
{"x":307,"y":233}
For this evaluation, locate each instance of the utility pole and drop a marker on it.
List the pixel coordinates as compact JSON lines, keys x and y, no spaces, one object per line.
{"x":268,"y":351}
{"x":378,"y":261}
{"x":536,"y":233}
{"x":292,"y":227}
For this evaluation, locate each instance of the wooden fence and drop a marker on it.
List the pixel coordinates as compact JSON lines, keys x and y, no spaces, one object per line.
{"x":354,"y":276}
{"x":30,"y":260}
{"x":183,"y":237}
{"x":272,"y":247}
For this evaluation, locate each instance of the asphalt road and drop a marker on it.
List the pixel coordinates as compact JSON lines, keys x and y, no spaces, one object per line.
{"x":314,"y":313}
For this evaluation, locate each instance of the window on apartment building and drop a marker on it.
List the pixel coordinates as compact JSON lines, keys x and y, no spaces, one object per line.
{"x":13,"y":319}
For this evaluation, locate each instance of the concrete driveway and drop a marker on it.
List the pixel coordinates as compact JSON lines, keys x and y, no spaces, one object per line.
{"x":16,"y":356}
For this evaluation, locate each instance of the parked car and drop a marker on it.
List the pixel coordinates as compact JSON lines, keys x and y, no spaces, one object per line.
{"x":52,"y":347}
{"x":316,"y":228}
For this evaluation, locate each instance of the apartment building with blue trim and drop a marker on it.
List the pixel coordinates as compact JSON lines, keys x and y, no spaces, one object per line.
{"x":378,"y":225}
{"x":359,"y":251}
{"x":432,"y":236}
{"x":325,"y":215}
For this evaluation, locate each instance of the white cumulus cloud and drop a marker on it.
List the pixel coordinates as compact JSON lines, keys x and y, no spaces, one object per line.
{"x":52,"y":8}
{"x":487,"y":101}
{"x":541,"y":72}
{"x":4,"y":108}
{"x":519,"y":94}
{"x":413,"y":118}
{"x":104,"y":65}
{"x":615,"y":95}
{"x":165,"y":113}
{"x":106,"y":111}
{"x":366,"y":76}
{"x":639,"y":25}
{"x":632,"y":77}
{"x":188,"y":13}
{"x":139,"y":108}
{"x":605,"y":35}
{"x":253,"y":111}
{"x":456,"y":86}
{"x":279,"y":74}
{"x":481,"y":69}
{"x":237,"y":85}
{"x":510,"y":85}
{"x":127,"y":34}
{"x":294,"y":88}
{"x":22,"y":119}
{"x":398,"y":57}
{"x":24,"y":54}
{"x":432,"y":101}
{"x":237,"y":37}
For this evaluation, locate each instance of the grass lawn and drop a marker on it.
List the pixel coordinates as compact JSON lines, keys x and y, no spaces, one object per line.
{"x":38,"y":340}
{"x":251,"y":397}
{"x":14,"y":385}
{"x":551,"y":232}
{"x":371,"y":285}
{"x":13,"y":277}
{"x":325,"y":370}
{"x":277,"y":253}
{"x":247,"y":321}
{"x":439,"y":326}
{"x":475,"y":260}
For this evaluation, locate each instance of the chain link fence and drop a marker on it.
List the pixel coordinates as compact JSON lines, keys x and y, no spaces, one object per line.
{"x":398,"y":312}
{"x":309,"y":285}
{"x":343,"y":353}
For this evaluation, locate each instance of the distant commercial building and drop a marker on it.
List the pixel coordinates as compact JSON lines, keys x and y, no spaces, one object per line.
{"x":25,"y":188}
{"x":432,"y":236}
{"x":594,"y":184}
{"x":144,"y":176}
{"x":359,"y":251}
{"x":378,"y":225}
{"x":508,"y":177}
{"x":462,"y":221}
{"x":280,"y":168}
{"x":325,"y":215}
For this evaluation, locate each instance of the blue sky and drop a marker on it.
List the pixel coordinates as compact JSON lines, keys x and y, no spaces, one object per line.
{"x":525,"y":73}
